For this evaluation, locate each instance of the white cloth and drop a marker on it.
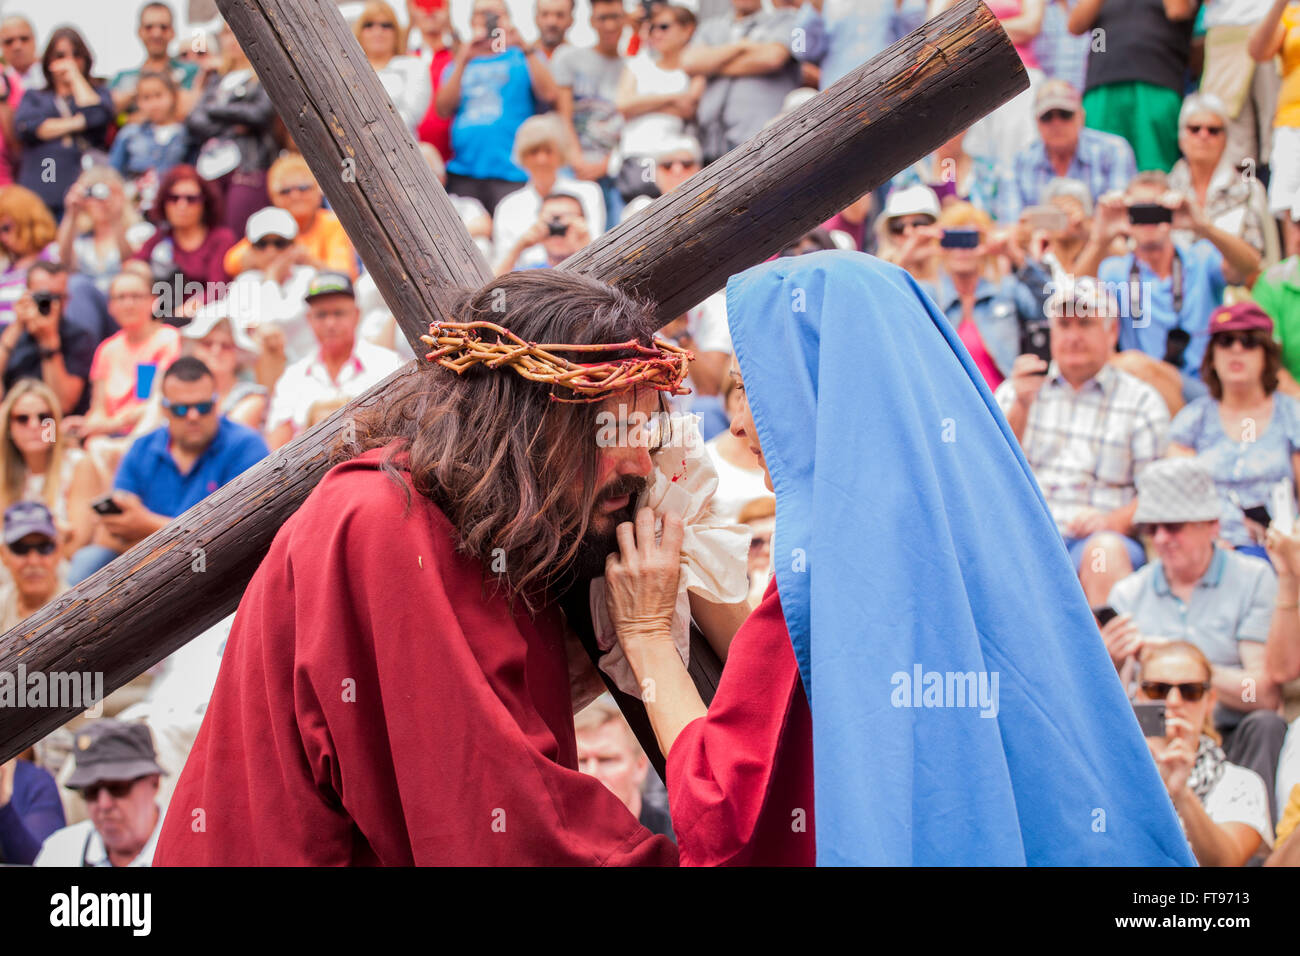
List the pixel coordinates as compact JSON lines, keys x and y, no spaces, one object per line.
{"x":407,"y":82}
{"x":81,"y":845}
{"x":253,"y":300}
{"x":737,"y":487}
{"x":714,"y":553}
{"x":1240,"y":797}
{"x":307,"y":381}
{"x":517,"y":211}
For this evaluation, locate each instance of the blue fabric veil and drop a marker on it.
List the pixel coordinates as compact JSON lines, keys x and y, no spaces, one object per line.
{"x":965,"y":711}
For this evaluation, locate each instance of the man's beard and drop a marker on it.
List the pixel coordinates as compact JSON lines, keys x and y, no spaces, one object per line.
{"x":601,"y":538}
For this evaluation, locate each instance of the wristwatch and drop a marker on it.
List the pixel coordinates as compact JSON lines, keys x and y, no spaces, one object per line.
{"x":47,"y":354}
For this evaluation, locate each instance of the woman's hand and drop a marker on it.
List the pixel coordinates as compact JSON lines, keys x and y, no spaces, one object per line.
{"x":1122,"y":638}
{"x":1176,"y":753}
{"x":1283,"y":552}
{"x":641,"y":580}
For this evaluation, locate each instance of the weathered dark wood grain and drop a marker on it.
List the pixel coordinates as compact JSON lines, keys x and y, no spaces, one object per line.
{"x":792,"y":176}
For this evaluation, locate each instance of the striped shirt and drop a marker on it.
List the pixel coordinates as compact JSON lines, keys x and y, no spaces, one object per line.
{"x":1087,"y":446}
{"x":1102,"y":161}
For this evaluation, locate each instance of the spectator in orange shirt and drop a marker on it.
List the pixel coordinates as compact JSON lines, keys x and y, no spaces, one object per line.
{"x":321,"y":242}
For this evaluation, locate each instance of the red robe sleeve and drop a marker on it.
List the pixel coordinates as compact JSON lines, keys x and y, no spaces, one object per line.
{"x":375,"y":706}
{"x":740,"y":780}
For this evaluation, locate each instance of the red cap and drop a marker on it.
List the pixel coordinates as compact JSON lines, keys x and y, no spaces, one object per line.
{"x":1242,"y":317}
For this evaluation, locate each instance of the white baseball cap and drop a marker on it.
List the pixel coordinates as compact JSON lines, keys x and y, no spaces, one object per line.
{"x":271,"y":221}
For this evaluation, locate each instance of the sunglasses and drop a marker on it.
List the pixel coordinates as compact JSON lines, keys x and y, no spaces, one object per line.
{"x":24,"y":548}
{"x":1247,"y":340}
{"x":7,"y":227}
{"x":275,"y":243}
{"x":186,"y":198}
{"x":899,"y":226}
{"x":1052,"y":115}
{"x":1159,"y":690}
{"x":28,"y":418}
{"x":661,"y":27}
{"x":675,"y":164}
{"x":298,"y":188}
{"x":1173,"y":527}
{"x":116,"y":789}
{"x":181,"y":409}
{"x":378,"y":23}
{"x":1195,"y":129}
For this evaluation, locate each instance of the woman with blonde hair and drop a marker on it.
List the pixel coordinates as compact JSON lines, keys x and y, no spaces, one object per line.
{"x":1223,"y":807}
{"x":27,"y":231}
{"x":406,"y":78}
{"x":39,"y":463}
{"x":93,"y":234}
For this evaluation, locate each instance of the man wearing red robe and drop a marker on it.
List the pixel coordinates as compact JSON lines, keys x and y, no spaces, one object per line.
{"x":396,"y":686}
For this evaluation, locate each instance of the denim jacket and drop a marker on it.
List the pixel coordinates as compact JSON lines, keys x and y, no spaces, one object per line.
{"x":1001,"y":309}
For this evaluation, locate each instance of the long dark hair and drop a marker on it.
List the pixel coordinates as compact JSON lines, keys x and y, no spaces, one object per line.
{"x":1268,"y":375}
{"x":80,"y":52}
{"x":510,"y":468}
{"x":184,"y":173}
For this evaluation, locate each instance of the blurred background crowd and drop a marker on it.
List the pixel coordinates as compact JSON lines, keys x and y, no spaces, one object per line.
{"x":1118,"y":248}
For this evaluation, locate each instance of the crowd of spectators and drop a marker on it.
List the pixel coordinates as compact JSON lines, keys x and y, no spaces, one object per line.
{"x":1118,"y":248}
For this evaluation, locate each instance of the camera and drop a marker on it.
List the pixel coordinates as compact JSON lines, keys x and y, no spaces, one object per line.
{"x":99,"y":191}
{"x":960,"y":239}
{"x":45,"y":301}
{"x":1149,"y":214}
{"x":557,"y":227}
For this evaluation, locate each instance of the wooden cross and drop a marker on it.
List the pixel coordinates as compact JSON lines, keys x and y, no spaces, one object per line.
{"x":792,"y":176}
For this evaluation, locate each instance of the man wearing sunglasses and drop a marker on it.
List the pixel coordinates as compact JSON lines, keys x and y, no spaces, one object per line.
{"x":31,"y":556}
{"x":117,"y":772}
{"x":43,"y":344}
{"x":1065,"y":149}
{"x":171,"y":469}
{"x":267,"y":297}
{"x":1213,"y":597}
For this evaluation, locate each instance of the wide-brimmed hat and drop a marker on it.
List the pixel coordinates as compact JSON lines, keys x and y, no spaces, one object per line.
{"x":1175,"y":490}
{"x":209,"y":317}
{"x":112,"y":750}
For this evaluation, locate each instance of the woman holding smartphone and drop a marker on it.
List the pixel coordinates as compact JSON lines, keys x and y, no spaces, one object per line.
{"x":911,"y":548}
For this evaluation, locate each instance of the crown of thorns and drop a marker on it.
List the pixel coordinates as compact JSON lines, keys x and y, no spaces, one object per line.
{"x":460,"y":345}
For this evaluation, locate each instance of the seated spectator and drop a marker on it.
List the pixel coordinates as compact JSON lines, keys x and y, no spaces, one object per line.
{"x":27,"y":232}
{"x":41,"y":344}
{"x":1057,"y":244}
{"x":100,"y":229}
{"x":64,"y":124}
{"x":1066,"y":149}
{"x":1216,"y":599}
{"x":404,"y":78}
{"x":30,"y":810}
{"x":587,"y":80}
{"x":906,"y":234}
{"x":342,"y":366}
{"x":144,"y":151}
{"x":1179,"y":286}
{"x":747,"y":59}
{"x":186,"y":253}
{"x":32,"y":559}
{"x":229,"y":355}
{"x":432,"y":27}
{"x":854,"y":221}
{"x":124,"y":366}
{"x":740,"y":474}
{"x":487,"y":92}
{"x":1223,"y":806}
{"x":657,"y":100}
{"x":539,"y":150}
{"x":760,"y":516}
{"x":1277,"y":292}
{"x":19,"y":42}
{"x":268,"y":293}
{"x":321,"y":242}
{"x":953,"y":174}
{"x":988,"y":313}
{"x":609,"y":751}
{"x":232,"y":124}
{"x":1233,"y":202}
{"x":118,"y":774}
{"x":559,"y":232}
{"x":1087,"y":430}
{"x":38,"y":461}
{"x":173,"y":468}
{"x":156,"y":32}
{"x":676,"y":160}
{"x":1245,"y":431}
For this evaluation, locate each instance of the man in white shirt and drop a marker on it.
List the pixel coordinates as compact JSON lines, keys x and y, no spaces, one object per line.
{"x":342,"y":365}
{"x":117,"y":774}
{"x":266,"y":299}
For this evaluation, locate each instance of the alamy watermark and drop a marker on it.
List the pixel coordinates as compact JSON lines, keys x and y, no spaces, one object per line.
{"x":79,"y":690}
{"x":922,"y":688}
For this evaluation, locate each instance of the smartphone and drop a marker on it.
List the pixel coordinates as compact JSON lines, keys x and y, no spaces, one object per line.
{"x":960,"y":239}
{"x":1151,"y":717}
{"x":491,"y":21}
{"x":1149,"y":213}
{"x":1258,"y":514}
{"x":106,"y":506}
{"x":1046,"y":218}
{"x":1104,"y":615}
{"x":1036,"y":339}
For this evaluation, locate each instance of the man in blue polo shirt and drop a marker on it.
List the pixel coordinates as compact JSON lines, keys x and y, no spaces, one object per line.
{"x":171,"y":469}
